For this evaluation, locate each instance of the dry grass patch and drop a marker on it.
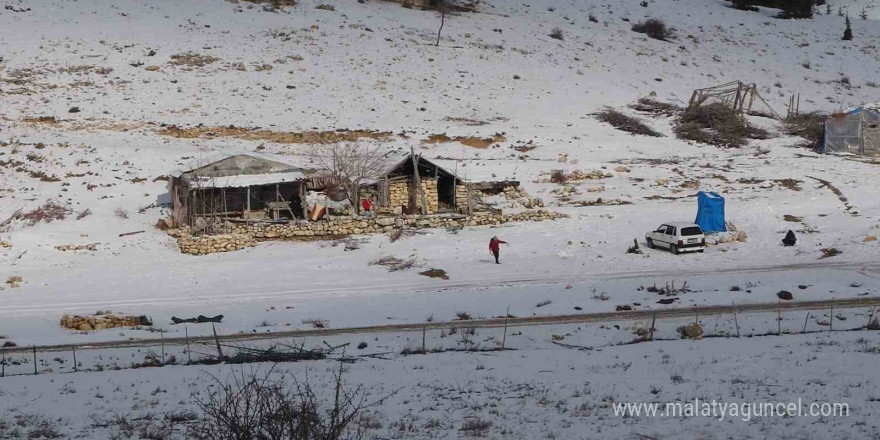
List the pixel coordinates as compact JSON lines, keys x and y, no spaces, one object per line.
{"x":41,"y":120}
{"x":716,"y":124}
{"x":810,"y":126}
{"x":192,"y":59}
{"x":280,"y":137}
{"x":394,"y":264}
{"x":625,"y":123}
{"x":470,"y":141}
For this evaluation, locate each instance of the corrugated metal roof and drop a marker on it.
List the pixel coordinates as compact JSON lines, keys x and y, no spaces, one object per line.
{"x":246,"y":180}
{"x":217,"y":156}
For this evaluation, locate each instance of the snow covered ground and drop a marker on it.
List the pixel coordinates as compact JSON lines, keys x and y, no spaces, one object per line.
{"x":89,"y":87}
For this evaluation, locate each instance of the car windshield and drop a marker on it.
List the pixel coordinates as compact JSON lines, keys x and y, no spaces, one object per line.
{"x":693,"y":230}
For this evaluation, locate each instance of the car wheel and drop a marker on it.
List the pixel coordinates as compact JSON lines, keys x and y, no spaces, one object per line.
{"x":674,"y":249}
{"x":651,"y":243}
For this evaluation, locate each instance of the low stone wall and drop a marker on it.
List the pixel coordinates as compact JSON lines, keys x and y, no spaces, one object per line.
{"x":245,"y":235}
{"x":211,"y":244}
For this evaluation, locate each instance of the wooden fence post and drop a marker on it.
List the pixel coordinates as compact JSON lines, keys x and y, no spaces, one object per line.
{"x":35,"y":359}
{"x":504,"y":338}
{"x":217,"y":341}
{"x":653,"y":320}
{"x":424,"y":331}
{"x":806,"y":318}
{"x":75,"y":368}
{"x":779,"y":317}
{"x":831,"y":319}
{"x":3,"y":363}
{"x":162,"y":342}
{"x":735,"y":320}
{"x":188,"y":355}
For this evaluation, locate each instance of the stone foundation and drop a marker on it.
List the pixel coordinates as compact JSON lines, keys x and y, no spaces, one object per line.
{"x":243,"y":235}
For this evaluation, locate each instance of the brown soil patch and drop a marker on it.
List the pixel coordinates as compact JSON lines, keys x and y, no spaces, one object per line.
{"x":41,"y":120}
{"x":435,"y":273}
{"x":192,"y":59}
{"x":470,"y":141}
{"x":791,"y":184}
{"x":306,"y":137}
{"x":792,"y":218}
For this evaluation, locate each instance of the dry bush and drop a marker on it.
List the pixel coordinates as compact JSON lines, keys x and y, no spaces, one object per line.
{"x":316,"y":323}
{"x":655,"y":107}
{"x":717,"y":124}
{"x":83,"y":214}
{"x":325,"y":7}
{"x":394,"y":264}
{"x":121,"y":213}
{"x":557,"y":34}
{"x":49,"y":212}
{"x":476,"y":427}
{"x":558,"y":176}
{"x":625,"y":123}
{"x":251,"y":405}
{"x":654,"y":28}
{"x":810,"y":126}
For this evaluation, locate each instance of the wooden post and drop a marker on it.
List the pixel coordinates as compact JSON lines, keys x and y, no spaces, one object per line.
{"x":504,"y":338}
{"x":653,"y":320}
{"x":188,"y":354}
{"x":779,"y":317}
{"x":162,"y":343}
{"x":35,"y":359}
{"x":831,"y":319}
{"x":735,"y":320}
{"x":3,"y":363}
{"x":806,"y":318}
{"x":870,"y":316}
{"x":217,"y":341}
{"x":75,"y":368}
{"x":424,"y":331}
{"x":417,"y":181}
{"x":247,"y":215}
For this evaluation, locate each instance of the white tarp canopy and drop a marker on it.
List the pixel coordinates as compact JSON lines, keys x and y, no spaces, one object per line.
{"x":856,"y":131}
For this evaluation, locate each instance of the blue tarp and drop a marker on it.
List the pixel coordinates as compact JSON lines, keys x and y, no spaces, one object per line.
{"x":710,"y":212}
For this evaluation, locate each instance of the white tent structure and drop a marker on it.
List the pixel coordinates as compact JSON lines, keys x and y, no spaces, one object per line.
{"x":856,"y":131}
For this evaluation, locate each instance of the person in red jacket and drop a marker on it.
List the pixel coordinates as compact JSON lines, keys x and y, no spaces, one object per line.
{"x":495,"y":247}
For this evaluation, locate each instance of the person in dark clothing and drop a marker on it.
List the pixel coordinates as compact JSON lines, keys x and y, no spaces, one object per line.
{"x":789,"y":239}
{"x":495,"y":247}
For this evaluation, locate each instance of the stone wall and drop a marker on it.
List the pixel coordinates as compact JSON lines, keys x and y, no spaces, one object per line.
{"x":399,"y":194}
{"x":211,"y":244}
{"x":461,"y":194}
{"x":245,"y":235}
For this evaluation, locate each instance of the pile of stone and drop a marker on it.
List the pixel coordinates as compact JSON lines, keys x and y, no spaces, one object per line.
{"x":5,"y":244}
{"x":565,"y":191}
{"x":103,"y":320}
{"x":77,"y":247}
{"x":398,"y":193}
{"x":211,"y":244}
{"x":14,"y":281}
{"x":578,"y":175}
{"x":726,"y":237}
{"x":242,"y":235}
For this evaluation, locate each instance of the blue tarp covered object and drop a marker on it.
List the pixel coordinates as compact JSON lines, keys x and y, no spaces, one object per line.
{"x":710,"y":212}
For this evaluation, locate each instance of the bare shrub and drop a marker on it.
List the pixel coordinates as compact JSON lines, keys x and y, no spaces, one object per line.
{"x":654,"y":28}
{"x":121,"y":213}
{"x":558,"y":176}
{"x":394,"y":264}
{"x":463,"y":316}
{"x":317,"y":323}
{"x":717,"y":124}
{"x":625,"y":123}
{"x":655,"y":107}
{"x":557,"y":34}
{"x":49,"y":212}
{"x":326,"y":7}
{"x":83,"y":214}
{"x":476,"y":427}
{"x":810,"y":126}
{"x":251,"y":405}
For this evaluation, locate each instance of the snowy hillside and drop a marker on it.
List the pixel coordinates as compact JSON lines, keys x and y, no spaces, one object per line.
{"x":100,"y":100}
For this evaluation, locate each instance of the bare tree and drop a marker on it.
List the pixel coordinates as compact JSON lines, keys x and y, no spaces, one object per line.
{"x":252,"y":405}
{"x":351,"y":163}
{"x":442,"y":6}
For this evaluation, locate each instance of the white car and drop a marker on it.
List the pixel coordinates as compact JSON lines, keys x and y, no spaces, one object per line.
{"x":677,"y":237}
